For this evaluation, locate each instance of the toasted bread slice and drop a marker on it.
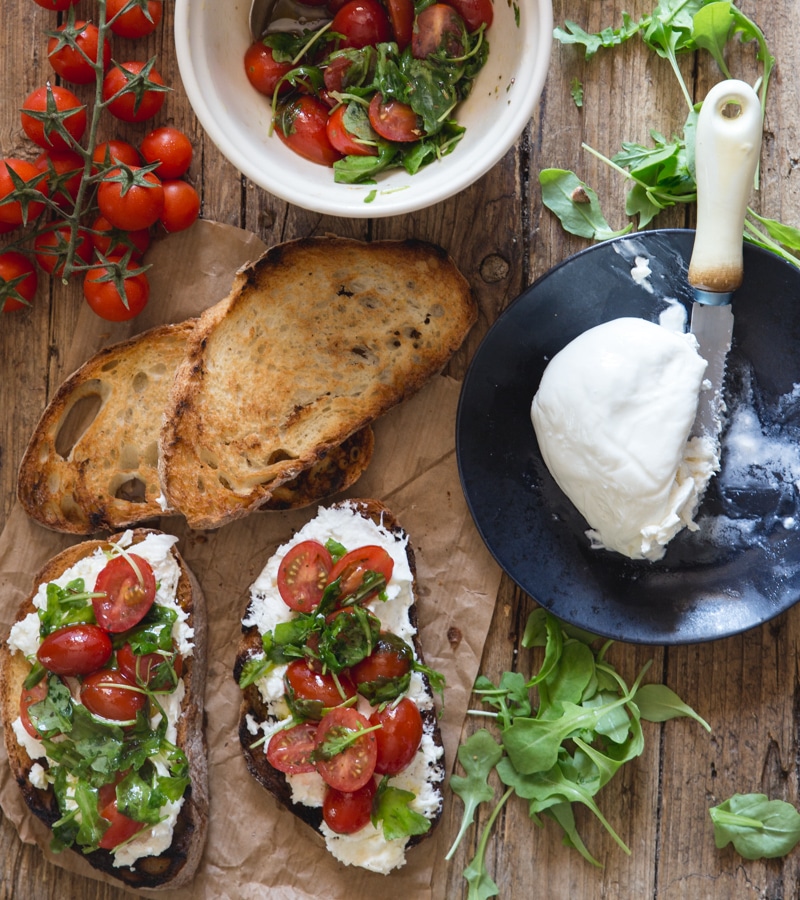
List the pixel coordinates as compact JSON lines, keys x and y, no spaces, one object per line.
{"x":315,"y":340}
{"x":262,"y":711}
{"x":176,"y":865}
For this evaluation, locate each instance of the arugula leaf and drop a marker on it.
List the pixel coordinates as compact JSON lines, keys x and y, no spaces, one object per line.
{"x":658,"y":703}
{"x":154,"y":633}
{"x":53,"y":714}
{"x":608,"y":37}
{"x":69,"y":605}
{"x":576,"y":205}
{"x":391,"y":808}
{"x":757,"y":827}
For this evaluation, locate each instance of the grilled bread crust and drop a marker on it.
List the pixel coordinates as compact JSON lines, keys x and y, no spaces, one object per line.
{"x":177,"y":865}
{"x":316,"y":339}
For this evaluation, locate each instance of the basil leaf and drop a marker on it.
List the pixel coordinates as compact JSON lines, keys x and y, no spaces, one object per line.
{"x":53,"y":714}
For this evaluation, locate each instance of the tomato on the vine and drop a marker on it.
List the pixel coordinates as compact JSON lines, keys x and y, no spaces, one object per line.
{"x":303,"y":574}
{"x":394,"y":120}
{"x":75,"y":650}
{"x":18,"y":281}
{"x":348,"y":812}
{"x":134,"y":23}
{"x":290,"y":749}
{"x":262,"y":70}
{"x":341,"y":138}
{"x":27,"y":697}
{"x":302,"y":126}
{"x":56,"y":5}
{"x":105,"y":299}
{"x":53,"y":99}
{"x":131,"y":203}
{"x":64,"y":170}
{"x":350,"y":768}
{"x":474,"y":12}
{"x":170,"y":148}
{"x":353,"y":567}
{"x":13,"y":213}
{"x":129,"y":104}
{"x":181,"y":205}
{"x":108,"y":693}
{"x":362,"y":22}
{"x":116,"y":151}
{"x":128,"y":588}
{"x":112,"y":241}
{"x":72,"y":62}
{"x":399,"y":737}
{"x":51,"y":248}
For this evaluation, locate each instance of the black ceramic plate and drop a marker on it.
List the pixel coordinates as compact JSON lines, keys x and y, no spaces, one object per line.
{"x":742,"y":567}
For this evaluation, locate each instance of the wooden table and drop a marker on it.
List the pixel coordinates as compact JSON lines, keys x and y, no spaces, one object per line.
{"x":745,"y":686}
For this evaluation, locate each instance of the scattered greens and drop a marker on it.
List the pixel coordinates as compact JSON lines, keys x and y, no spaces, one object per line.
{"x":757,"y":827}
{"x":559,"y":736}
{"x":662,"y":174}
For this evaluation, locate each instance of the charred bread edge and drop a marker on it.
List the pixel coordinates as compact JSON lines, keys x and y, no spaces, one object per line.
{"x":273,"y":780}
{"x":177,"y":865}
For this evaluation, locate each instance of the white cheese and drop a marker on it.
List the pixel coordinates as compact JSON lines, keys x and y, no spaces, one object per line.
{"x":33,"y":747}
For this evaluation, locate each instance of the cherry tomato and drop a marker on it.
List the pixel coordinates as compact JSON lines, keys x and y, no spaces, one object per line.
{"x":302,"y":126}
{"x":71,"y":62}
{"x":51,"y":248}
{"x":401,"y":16}
{"x":303,"y":574}
{"x":170,"y":148}
{"x":104,"y":297}
{"x":27,"y":698}
{"x":474,"y":12}
{"x":127,"y":205}
{"x":75,"y":650}
{"x":121,"y":829}
{"x":18,"y":281}
{"x":353,"y":566}
{"x":347,"y":813}
{"x":124,"y":103}
{"x":399,"y":737}
{"x":128,"y":593}
{"x":290,"y":750}
{"x":335,"y":73}
{"x":111,"y":241}
{"x":263,"y":72}
{"x":440,"y":30}
{"x":390,"y":659}
{"x":56,"y":5}
{"x":53,"y":97}
{"x":362,"y":22}
{"x":109,"y":694}
{"x":181,"y":205}
{"x":64,"y":170}
{"x":145,"y":668}
{"x":341,"y":138}
{"x":12,"y":213}
{"x":115,"y":151}
{"x":351,"y":768}
{"x":394,"y":120}
{"x":335,"y":5}
{"x":308,"y":684}
{"x":134,"y":23}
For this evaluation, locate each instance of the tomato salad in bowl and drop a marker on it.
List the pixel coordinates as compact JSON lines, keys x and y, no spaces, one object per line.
{"x":377,"y":86}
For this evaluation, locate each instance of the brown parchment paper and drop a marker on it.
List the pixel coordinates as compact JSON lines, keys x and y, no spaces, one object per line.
{"x":255,"y":848}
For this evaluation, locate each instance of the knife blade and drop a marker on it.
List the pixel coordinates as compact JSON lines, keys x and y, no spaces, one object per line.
{"x":727,"y":148}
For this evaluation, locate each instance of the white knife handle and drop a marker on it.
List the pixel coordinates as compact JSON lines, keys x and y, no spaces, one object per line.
{"x":726,"y":155}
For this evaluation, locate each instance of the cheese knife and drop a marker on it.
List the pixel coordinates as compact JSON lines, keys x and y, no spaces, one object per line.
{"x":728,"y":146}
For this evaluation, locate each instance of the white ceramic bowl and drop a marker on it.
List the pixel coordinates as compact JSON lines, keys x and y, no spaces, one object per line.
{"x":211,"y":37}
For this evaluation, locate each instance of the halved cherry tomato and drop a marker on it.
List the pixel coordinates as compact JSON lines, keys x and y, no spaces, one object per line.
{"x":351,"y":767}
{"x":290,"y":750}
{"x":401,"y":16}
{"x":347,"y":813}
{"x":302,"y":126}
{"x":353,"y":566}
{"x":399,"y":737}
{"x":390,"y":659}
{"x":122,"y":828}
{"x":145,"y":668}
{"x":440,"y":30}
{"x":263,"y":72}
{"x":362,"y":22}
{"x":75,"y":650}
{"x":308,"y":684}
{"x":27,"y":698}
{"x":108,"y":693}
{"x":127,"y":594}
{"x":303,"y":574}
{"x":341,"y":138}
{"x":474,"y":12}
{"x":394,"y":120}
{"x":72,"y":62}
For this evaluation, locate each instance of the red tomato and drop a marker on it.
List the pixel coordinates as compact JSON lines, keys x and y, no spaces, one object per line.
{"x":18,"y":281}
{"x":341,"y":138}
{"x":181,"y":205}
{"x":109,"y":694}
{"x":170,"y":148}
{"x":142,"y":668}
{"x":308,"y":684}
{"x":13,"y":213}
{"x":290,"y":750}
{"x":301,"y":125}
{"x":128,"y":593}
{"x":335,"y":73}
{"x":130,"y":205}
{"x":111,"y":241}
{"x":390,"y":659}
{"x":53,"y":98}
{"x":399,"y":737}
{"x":134,"y":23}
{"x":394,"y":120}
{"x":51,"y":248}
{"x":335,"y":5}
{"x":263,"y":72}
{"x":474,"y":12}
{"x":303,"y":574}
{"x":110,"y":152}
{"x":351,"y":768}
{"x":127,"y":104}
{"x":401,"y":16}
{"x":27,"y":698}
{"x":56,"y":5}
{"x":72,"y":62}
{"x":362,"y":22}
{"x":353,"y":566}
{"x":105,"y":299}
{"x":347,"y":813}
{"x":64,"y":170}
{"x":75,"y":650}
{"x":439,"y":29}
{"x":121,"y":829}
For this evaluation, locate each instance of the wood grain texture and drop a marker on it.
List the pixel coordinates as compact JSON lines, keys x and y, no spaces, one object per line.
{"x":502,"y":239}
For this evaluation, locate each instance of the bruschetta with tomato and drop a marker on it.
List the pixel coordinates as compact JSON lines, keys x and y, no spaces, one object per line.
{"x":338,"y":717}
{"x":102,"y":679}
